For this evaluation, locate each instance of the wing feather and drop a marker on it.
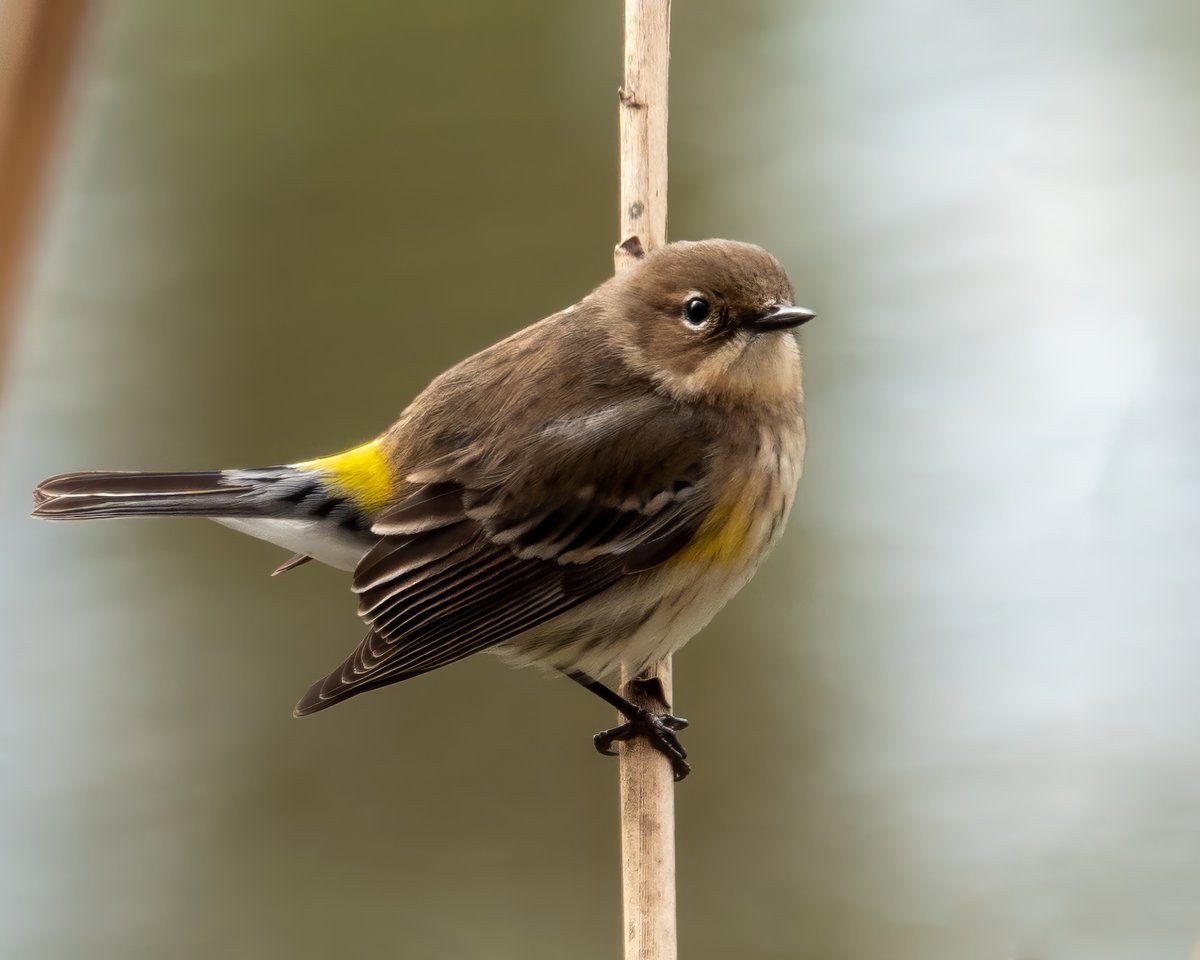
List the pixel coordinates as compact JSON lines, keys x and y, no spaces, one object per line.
{"x":393,"y":558}
{"x":490,"y":543}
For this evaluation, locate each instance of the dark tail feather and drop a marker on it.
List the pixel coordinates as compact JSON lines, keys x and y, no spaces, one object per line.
{"x":88,"y":496}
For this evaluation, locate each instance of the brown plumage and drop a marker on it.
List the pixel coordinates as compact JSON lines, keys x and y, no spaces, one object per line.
{"x":586,"y":493}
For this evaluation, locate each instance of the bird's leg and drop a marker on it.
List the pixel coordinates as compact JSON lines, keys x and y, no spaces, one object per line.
{"x":658,"y":728}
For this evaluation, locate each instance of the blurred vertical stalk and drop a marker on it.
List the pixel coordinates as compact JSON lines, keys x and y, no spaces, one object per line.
{"x":39,"y":42}
{"x":647,"y":786}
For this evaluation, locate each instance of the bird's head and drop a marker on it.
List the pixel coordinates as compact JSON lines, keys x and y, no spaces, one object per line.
{"x":710,"y":319}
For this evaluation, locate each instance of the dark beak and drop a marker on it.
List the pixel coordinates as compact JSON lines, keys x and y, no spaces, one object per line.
{"x":781,"y":318}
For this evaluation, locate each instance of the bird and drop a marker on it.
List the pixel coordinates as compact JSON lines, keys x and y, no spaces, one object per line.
{"x":583,"y":496}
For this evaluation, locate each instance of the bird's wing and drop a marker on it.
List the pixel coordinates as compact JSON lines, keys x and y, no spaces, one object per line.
{"x":495,"y":541}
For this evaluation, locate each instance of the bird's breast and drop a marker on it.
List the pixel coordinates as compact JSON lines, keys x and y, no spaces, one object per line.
{"x":753,"y":501}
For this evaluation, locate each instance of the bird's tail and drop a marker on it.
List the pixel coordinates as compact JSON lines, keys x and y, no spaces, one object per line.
{"x":220,"y":493}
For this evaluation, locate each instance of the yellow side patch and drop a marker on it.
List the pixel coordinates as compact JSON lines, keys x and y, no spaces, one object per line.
{"x":362,"y":473}
{"x":722,"y":538}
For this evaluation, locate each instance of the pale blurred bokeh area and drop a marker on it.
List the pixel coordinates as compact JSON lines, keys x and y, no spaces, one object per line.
{"x":956,"y":716}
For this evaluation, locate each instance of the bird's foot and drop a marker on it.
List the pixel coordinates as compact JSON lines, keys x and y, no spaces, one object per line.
{"x":659,"y":729}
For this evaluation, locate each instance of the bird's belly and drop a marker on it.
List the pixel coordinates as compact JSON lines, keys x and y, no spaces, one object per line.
{"x":634,"y":623}
{"x":325,"y":542}
{"x":646,"y":617}
{"x":690,"y":598}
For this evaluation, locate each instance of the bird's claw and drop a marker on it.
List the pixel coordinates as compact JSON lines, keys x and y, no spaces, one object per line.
{"x":659,"y":729}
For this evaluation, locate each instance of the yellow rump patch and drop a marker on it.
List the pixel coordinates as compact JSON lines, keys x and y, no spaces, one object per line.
{"x":361,"y":473}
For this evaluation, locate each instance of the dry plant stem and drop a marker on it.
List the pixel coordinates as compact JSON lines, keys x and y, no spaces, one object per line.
{"x":643,"y":112}
{"x":39,"y":41}
{"x":647,"y":784}
{"x":647,"y":838}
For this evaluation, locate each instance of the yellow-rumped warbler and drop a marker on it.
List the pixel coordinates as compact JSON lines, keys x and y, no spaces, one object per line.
{"x":587,"y":493}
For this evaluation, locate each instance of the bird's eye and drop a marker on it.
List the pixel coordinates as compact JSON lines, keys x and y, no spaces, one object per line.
{"x":696,"y":311}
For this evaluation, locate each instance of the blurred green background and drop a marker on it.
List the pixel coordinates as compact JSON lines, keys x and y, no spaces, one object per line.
{"x":955,"y":716}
